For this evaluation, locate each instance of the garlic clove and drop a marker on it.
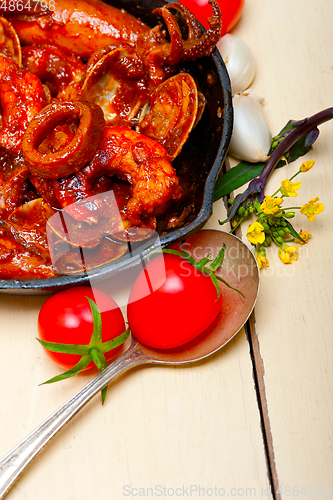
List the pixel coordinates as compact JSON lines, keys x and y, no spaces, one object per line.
{"x":251,"y":138}
{"x":239,"y":61}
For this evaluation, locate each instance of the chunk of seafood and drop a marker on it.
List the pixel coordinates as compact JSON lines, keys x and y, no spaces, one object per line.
{"x":116,"y":83}
{"x":75,"y":195}
{"x":197,"y":44}
{"x":78,"y":27}
{"x":160,"y":55}
{"x":68,"y":260}
{"x":63,"y":74}
{"x":12,"y":191}
{"x":79,"y":233}
{"x":10,"y":45}
{"x":22,"y":96}
{"x":24,"y":251}
{"x":100,"y":187}
{"x":172,"y":114}
{"x":142,"y":162}
{"x":74,"y":155}
{"x":82,"y":27}
{"x":76,"y":246}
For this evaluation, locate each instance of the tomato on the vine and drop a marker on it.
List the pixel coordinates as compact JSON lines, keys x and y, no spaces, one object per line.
{"x":231,"y":11}
{"x":171,"y":302}
{"x":67,"y":318}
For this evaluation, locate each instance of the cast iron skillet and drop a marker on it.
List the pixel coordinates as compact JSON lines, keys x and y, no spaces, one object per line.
{"x":198,"y":166}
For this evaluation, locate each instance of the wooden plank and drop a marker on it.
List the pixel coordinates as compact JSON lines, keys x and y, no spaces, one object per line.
{"x":293,"y":317}
{"x":171,"y":427}
{"x":173,"y":430}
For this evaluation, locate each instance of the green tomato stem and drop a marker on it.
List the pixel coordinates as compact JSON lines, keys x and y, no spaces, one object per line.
{"x":97,"y":322}
{"x":94,"y":351}
{"x":80,"y":350}
{"x":81,"y":365}
{"x":202,"y":268}
{"x":219,"y":259}
{"x":98,"y":358}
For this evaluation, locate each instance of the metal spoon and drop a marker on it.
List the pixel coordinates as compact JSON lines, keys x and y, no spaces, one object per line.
{"x":239,"y":269}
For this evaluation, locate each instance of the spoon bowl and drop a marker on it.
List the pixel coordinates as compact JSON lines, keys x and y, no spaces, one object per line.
{"x":239,"y":269}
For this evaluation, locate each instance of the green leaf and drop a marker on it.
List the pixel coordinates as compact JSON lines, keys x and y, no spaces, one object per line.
{"x":101,"y":363}
{"x":219,"y":259}
{"x":302,"y":146}
{"x":293,"y":232}
{"x":80,"y":350}
{"x":103,"y":393}
{"x":201,"y":264}
{"x":183,"y":254}
{"x":229,"y":286}
{"x":215,"y":283}
{"x":83,"y":363}
{"x":245,"y":171}
{"x":236,"y":177}
{"x":111,"y":344}
{"x":98,"y":358}
{"x":97,"y":322}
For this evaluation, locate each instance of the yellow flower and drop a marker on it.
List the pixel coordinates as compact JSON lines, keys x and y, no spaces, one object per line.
{"x":305,"y":235}
{"x":261,"y":258}
{"x":312,"y":208}
{"x":271,"y":205}
{"x":255,"y":233}
{"x":289,"y":188}
{"x":306,"y":165}
{"x":288,"y":253}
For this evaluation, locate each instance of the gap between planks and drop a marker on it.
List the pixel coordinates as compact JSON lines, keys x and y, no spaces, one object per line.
{"x":258,"y":377}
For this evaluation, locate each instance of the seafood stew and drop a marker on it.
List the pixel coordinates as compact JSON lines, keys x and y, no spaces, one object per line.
{"x":197,"y":165}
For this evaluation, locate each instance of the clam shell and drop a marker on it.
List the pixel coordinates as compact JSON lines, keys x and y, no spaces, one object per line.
{"x":116,"y":84}
{"x":172,"y":114}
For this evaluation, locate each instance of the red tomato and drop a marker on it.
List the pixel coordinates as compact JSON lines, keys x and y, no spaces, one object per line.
{"x":168,"y":311}
{"x":231,"y":12}
{"x":66,"y":318}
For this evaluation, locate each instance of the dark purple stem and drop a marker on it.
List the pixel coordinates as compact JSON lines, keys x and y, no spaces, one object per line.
{"x":301,"y":127}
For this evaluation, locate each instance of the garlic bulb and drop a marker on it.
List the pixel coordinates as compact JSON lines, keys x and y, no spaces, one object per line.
{"x":239,"y":62}
{"x":251,"y":139}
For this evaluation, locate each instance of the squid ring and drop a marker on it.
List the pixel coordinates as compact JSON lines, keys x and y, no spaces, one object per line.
{"x":80,"y":150}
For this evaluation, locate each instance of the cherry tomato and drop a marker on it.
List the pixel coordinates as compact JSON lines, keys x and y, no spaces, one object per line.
{"x":66,"y":318}
{"x":231,"y":12}
{"x":171,"y":303}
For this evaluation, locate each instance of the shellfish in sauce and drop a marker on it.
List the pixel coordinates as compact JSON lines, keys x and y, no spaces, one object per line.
{"x":89,"y":129}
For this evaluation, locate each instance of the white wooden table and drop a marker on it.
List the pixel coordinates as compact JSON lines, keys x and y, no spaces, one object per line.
{"x":257,"y":418}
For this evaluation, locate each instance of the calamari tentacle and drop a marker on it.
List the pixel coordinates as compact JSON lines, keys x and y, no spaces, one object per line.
{"x":170,"y":53}
{"x":193,"y":25}
{"x":204,"y":45}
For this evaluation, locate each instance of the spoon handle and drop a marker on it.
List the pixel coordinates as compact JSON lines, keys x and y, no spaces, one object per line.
{"x":19,"y":457}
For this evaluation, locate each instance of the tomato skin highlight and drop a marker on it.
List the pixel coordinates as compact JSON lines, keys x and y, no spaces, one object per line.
{"x":176,"y":310}
{"x":66,"y":318}
{"x":231,"y":12}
